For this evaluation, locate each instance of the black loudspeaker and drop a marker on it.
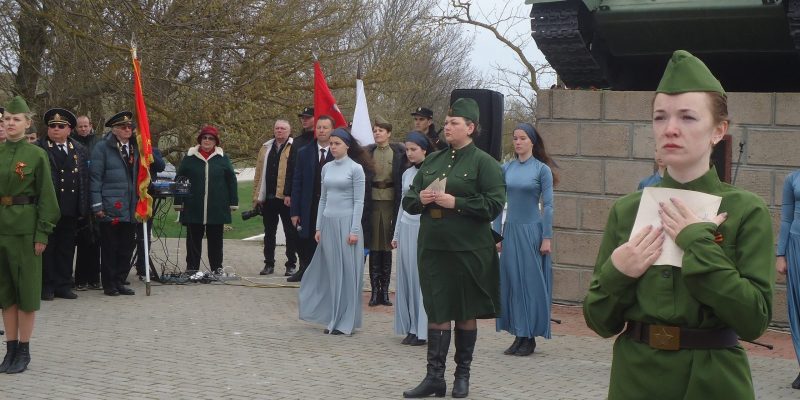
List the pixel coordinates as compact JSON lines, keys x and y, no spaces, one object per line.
{"x":491,"y":106}
{"x":721,"y":158}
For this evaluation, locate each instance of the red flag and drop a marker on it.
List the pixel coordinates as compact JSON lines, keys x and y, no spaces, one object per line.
{"x":324,"y":102}
{"x":144,"y":207}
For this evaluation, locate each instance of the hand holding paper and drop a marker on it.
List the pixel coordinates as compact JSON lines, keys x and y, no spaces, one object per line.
{"x":676,"y":216}
{"x":635,"y":256}
{"x":696,"y":207}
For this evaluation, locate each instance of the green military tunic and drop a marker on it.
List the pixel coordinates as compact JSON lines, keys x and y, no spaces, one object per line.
{"x":725,"y":284}
{"x":458,"y":263}
{"x":383,"y":208}
{"x":24,"y":172}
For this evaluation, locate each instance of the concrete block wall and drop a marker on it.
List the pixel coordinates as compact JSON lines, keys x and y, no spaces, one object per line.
{"x":603,"y":143}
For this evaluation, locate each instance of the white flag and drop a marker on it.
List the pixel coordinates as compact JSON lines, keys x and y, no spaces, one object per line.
{"x":362,"y":126}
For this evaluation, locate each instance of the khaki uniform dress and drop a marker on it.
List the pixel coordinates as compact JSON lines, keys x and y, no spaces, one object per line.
{"x":727,"y":281}
{"x":382,"y":200}
{"x":24,"y":174}
{"x":458,"y":264}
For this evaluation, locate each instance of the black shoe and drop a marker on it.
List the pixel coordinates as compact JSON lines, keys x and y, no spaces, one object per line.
{"x":95,"y":286}
{"x":268,"y":270}
{"x":796,"y":383}
{"x":296,"y":277}
{"x":408,"y":338}
{"x":81,"y":287}
{"x":337,"y":332}
{"x":123,"y":290}
{"x":21,"y":360}
{"x":111,"y":292}
{"x":11,"y":352}
{"x":126,"y":282}
{"x":526,"y":347}
{"x":514,"y":346}
{"x":417,"y":342}
{"x":48,"y":295}
{"x":290,"y":270}
{"x":67,"y":294}
{"x":433,"y":383}
{"x":465,"y":345}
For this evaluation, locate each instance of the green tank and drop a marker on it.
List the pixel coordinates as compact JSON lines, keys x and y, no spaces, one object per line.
{"x":750,"y":45}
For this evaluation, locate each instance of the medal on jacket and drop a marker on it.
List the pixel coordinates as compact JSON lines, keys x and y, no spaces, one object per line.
{"x":18,"y":170}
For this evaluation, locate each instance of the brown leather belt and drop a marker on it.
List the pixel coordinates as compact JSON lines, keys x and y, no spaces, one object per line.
{"x":17,"y":200}
{"x":664,"y":337}
{"x":438,"y":213}
{"x":382,"y":185}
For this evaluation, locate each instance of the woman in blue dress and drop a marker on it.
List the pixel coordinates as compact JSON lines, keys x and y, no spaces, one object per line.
{"x":410,"y":318}
{"x":788,"y":260}
{"x":526,"y":277}
{"x":330,"y":293}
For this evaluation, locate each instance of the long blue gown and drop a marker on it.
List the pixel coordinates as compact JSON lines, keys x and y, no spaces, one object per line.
{"x":409,"y":311}
{"x":330,"y":293}
{"x":526,"y":276}
{"x":789,"y":246}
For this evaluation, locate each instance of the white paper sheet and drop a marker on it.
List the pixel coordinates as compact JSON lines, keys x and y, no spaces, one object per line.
{"x":703,"y":205}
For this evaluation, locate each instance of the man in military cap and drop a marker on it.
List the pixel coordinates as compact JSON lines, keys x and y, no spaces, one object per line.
{"x":87,"y":259}
{"x":423,"y":122}
{"x":306,"y":134}
{"x":114,"y":168}
{"x":68,"y":167}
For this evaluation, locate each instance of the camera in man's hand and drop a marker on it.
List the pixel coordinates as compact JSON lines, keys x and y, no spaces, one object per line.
{"x":256,"y":211}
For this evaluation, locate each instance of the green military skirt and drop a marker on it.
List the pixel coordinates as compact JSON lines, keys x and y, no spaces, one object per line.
{"x":381,"y":220}
{"x":460,"y":285}
{"x":20,"y":273}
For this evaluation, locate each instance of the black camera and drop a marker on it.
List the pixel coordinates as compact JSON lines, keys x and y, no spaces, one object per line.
{"x":251,"y":213}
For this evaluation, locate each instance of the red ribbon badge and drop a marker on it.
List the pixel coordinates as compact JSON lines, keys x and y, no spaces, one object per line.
{"x":118,"y":205}
{"x":115,"y":222}
{"x":18,"y":170}
{"x":718,"y":237}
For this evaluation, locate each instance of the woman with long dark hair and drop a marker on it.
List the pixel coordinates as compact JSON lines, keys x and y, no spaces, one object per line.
{"x":526,"y":274}
{"x":330,"y":292}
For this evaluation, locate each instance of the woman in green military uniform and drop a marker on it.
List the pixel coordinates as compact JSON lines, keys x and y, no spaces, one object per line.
{"x":681,"y":324}
{"x":458,"y":263}
{"x":28,"y":214}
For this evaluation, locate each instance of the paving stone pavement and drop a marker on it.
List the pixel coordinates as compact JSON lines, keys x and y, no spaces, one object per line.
{"x":216,"y":341}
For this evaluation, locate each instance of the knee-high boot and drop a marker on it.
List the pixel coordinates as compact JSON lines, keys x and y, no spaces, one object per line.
{"x":433,"y":383}
{"x":465,"y":345}
{"x":375,"y":277}
{"x":11,"y":352}
{"x":386,"y":274}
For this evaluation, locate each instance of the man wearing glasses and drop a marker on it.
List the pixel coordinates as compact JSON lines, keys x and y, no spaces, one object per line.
{"x":114,"y":167}
{"x":68,"y":167}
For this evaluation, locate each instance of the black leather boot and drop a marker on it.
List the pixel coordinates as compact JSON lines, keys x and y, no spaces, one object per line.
{"x":386,"y":274}
{"x":796,"y":383}
{"x":465,"y":345}
{"x":11,"y":352}
{"x":514,"y":346}
{"x":527,"y":347}
{"x":21,"y":360}
{"x":433,"y":383}
{"x":375,"y":277}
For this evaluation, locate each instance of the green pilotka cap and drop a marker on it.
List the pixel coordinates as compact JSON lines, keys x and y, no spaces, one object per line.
{"x":17,"y":105}
{"x":466,"y":108}
{"x":686,"y":73}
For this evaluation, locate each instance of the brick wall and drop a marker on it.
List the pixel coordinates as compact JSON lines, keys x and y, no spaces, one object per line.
{"x":604,"y":145}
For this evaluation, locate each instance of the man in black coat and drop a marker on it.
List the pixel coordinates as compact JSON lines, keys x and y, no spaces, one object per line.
{"x":87,"y":240}
{"x":423,"y":122}
{"x":306,"y":192}
{"x":69,"y":168}
{"x":306,"y":134}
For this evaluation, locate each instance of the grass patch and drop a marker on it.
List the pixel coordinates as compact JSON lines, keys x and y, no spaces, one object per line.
{"x":166,"y":225}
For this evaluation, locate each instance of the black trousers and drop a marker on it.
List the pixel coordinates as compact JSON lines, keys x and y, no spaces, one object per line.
{"x":270,"y":211}
{"x":117,"y":243}
{"x":194,"y":245}
{"x":57,"y":257}
{"x":306,"y":249}
{"x":87,"y":262}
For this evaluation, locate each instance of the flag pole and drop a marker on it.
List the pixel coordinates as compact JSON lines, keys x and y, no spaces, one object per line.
{"x":146,"y":242}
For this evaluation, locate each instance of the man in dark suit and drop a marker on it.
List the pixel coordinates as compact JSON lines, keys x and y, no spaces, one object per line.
{"x":69,"y":168}
{"x":306,"y":191}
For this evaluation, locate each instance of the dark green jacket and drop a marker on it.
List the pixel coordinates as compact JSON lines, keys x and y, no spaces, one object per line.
{"x":721,"y":285}
{"x":475,"y":179}
{"x":25,"y":171}
{"x":214,"y":189}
